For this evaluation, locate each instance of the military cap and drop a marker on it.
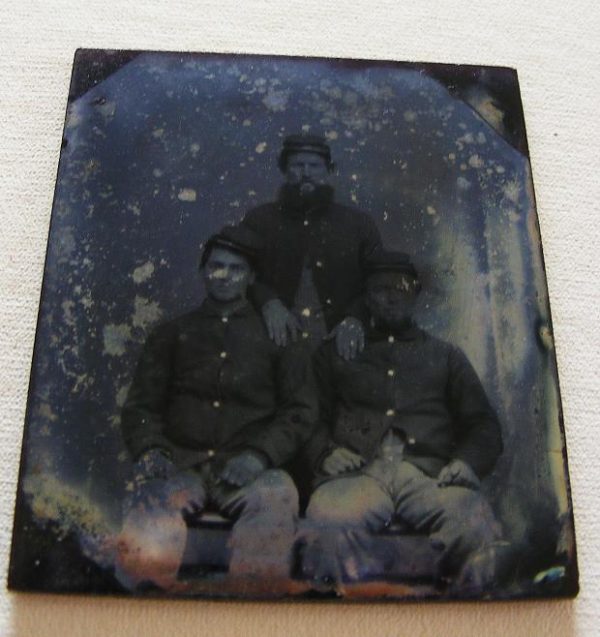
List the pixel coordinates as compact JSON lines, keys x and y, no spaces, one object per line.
{"x":304,"y":144}
{"x":381,"y":260}
{"x":238,"y":239}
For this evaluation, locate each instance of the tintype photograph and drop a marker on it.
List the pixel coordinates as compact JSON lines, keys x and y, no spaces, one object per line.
{"x":294,"y":339}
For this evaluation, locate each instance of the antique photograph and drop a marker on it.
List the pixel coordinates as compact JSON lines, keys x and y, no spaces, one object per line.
{"x":294,"y":339}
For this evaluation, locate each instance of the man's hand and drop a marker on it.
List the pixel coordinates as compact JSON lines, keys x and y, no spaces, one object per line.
{"x":349,"y":338}
{"x":243,"y":469}
{"x":279,"y":321}
{"x":341,"y":460}
{"x":154,"y":464}
{"x":458,"y":473}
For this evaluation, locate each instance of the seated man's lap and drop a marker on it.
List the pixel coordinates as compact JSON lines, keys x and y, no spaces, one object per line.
{"x":191,"y":491}
{"x":272,"y":494}
{"x":357,"y":500}
{"x":385,"y":490}
{"x":173,"y":493}
{"x":420,"y":501}
{"x":423,"y":504}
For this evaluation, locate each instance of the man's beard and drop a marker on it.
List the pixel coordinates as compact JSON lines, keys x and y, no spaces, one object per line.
{"x":297,"y":196}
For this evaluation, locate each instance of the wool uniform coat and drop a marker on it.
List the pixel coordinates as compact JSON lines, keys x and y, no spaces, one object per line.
{"x":421,"y":387}
{"x":333,"y":241}
{"x":209,"y":385}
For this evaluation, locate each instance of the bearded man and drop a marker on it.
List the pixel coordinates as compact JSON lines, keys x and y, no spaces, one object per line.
{"x":310,"y":274}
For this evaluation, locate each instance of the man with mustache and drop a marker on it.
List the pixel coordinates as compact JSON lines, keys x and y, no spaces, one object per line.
{"x":310,"y":276}
{"x":215,"y":408}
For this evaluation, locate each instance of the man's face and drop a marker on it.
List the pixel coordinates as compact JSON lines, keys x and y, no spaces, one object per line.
{"x":227,"y":275}
{"x":391,"y":296}
{"x":307,"y":171}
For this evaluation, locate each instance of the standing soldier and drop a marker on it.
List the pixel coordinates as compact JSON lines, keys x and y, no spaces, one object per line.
{"x":214,"y":409}
{"x":310,"y":274}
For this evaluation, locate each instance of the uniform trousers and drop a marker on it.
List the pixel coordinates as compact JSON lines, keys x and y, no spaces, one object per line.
{"x":154,"y":532}
{"x":345,"y":513}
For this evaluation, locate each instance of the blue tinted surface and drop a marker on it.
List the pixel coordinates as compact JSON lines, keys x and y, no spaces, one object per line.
{"x":169,"y":148}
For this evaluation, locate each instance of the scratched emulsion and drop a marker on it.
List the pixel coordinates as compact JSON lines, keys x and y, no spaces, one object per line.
{"x":171,"y":147}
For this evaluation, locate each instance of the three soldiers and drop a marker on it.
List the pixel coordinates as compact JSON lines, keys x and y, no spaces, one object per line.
{"x":223,"y":397}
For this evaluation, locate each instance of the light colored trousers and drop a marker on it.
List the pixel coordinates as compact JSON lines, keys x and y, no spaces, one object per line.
{"x":154,"y":533}
{"x":344,"y":514}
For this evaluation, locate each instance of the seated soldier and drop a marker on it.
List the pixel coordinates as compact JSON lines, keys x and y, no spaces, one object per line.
{"x":214,"y":408}
{"x":406,"y":433}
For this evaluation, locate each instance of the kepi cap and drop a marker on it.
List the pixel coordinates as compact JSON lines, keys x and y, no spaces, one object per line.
{"x":303,"y":143}
{"x":239,"y":239}
{"x":382,"y":260}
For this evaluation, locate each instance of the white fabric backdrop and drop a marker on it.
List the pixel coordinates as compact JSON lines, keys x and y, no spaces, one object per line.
{"x":555,"y":47}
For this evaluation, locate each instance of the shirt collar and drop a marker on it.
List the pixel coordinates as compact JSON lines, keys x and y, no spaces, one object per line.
{"x":301,"y":212}
{"x":304,"y":213}
{"x":214,"y":309}
{"x":408,"y":332}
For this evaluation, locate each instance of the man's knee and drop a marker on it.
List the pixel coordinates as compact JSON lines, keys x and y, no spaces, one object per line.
{"x":349,"y":502}
{"x":152,"y":540}
{"x":324,"y":504}
{"x":273,"y":489}
{"x":184,"y":489}
{"x":471,"y":512}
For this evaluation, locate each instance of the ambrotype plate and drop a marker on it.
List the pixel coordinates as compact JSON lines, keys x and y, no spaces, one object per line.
{"x":294,"y":338}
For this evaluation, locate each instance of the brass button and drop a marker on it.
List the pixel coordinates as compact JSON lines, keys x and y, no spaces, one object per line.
{"x":216,"y":404}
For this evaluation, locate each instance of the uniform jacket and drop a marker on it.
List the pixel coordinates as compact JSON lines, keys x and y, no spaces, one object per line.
{"x":206,"y":385}
{"x":420,"y":386}
{"x":334,"y":240}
